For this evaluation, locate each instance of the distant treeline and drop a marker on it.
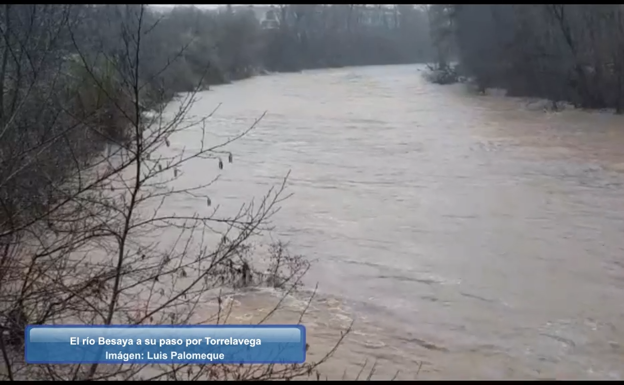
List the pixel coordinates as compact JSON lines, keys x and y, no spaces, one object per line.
{"x":234,"y":43}
{"x":69,"y":74}
{"x":561,"y":52}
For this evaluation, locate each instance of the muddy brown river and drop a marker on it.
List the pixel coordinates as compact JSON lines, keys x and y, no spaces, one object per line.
{"x":467,"y":236}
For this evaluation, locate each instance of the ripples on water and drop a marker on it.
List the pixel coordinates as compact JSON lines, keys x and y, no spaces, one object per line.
{"x":465,"y":232}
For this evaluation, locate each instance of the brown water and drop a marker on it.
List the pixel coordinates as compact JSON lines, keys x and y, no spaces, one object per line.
{"x":470,"y":234}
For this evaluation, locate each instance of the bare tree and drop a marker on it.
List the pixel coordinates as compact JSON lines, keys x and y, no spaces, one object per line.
{"x":561,"y":52}
{"x":96,"y":252}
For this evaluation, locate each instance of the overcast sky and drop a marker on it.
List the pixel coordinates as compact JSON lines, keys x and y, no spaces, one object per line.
{"x":195,"y":5}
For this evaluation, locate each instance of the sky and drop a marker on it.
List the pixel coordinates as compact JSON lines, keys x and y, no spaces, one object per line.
{"x":205,"y":6}
{"x":195,"y":5}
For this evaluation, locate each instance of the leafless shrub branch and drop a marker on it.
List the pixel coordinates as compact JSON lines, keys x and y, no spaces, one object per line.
{"x":96,"y":251}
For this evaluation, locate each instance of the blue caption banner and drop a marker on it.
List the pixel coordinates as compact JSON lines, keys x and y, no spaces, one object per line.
{"x":222,"y":344}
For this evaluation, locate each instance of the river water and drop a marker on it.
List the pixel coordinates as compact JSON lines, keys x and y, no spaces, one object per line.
{"x":467,"y":236}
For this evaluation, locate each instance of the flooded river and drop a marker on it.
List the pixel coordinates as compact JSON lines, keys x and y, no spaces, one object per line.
{"x":467,"y":236}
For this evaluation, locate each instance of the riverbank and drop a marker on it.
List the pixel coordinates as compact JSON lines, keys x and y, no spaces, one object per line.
{"x":452,"y":75}
{"x":557,"y":60}
{"x":106,"y":68}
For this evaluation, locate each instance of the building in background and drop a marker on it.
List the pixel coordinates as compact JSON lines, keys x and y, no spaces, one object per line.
{"x":266,"y":15}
